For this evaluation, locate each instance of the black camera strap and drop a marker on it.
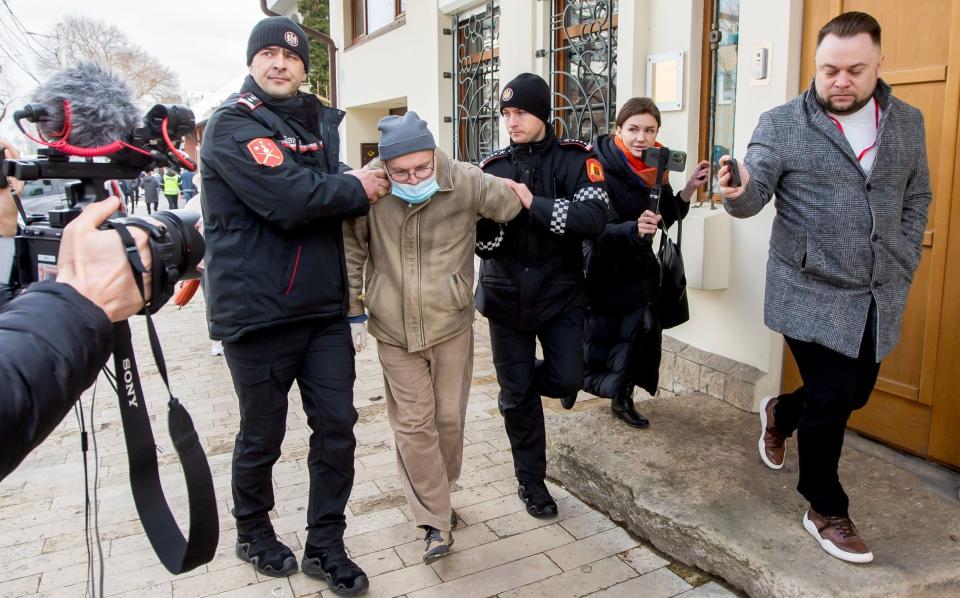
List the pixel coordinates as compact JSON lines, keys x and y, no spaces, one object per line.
{"x":177,"y":554}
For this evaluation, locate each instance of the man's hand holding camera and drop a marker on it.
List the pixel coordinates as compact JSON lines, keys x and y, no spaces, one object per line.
{"x":93,"y":262}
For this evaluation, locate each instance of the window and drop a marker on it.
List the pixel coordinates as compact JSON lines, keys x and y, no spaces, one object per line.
{"x":370,"y":16}
{"x":583,"y":49}
{"x":476,"y":133}
{"x":718,"y":140}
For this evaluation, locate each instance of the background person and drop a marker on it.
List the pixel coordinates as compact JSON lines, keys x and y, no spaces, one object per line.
{"x":847,"y":163}
{"x":622,"y":329}
{"x":151,"y":184}
{"x":171,"y":187}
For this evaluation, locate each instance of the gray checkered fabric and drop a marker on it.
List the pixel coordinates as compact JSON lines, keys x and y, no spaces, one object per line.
{"x":558,"y":219}
{"x":840,"y":238}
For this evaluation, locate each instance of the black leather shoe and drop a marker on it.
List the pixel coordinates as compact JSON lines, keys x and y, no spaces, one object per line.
{"x":267,"y":554}
{"x":537,"y":499}
{"x":623,"y":408}
{"x":343,"y":576}
{"x":568,"y":402}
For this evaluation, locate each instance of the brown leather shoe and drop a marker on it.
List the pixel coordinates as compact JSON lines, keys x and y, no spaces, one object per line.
{"x":838,"y":536}
{"x":772,"y":443}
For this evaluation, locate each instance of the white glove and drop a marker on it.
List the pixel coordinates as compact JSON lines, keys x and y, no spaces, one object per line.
{"x":358,"y":332}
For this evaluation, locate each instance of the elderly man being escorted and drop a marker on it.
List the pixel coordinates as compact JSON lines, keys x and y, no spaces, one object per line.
{"x":847,"y":162}
{"x":417,"y":244}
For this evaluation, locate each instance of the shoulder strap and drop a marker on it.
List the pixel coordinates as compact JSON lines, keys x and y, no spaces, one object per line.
{"x":495,"y":156}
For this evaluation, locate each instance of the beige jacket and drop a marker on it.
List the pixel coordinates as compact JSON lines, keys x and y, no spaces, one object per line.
{"x":418,"y":285}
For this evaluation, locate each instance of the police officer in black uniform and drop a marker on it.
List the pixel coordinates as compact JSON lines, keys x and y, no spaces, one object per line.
{"x":274,"y":197}
{"x":531,"y":278}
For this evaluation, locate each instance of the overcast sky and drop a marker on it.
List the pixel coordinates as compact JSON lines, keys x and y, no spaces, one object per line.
{"x":204,"y":41}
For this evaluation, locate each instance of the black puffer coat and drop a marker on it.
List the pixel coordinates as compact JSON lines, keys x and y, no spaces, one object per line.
{"x":622,"y":334}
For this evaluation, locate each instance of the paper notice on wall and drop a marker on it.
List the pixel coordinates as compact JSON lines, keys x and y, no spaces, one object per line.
{"x":665,"y":82}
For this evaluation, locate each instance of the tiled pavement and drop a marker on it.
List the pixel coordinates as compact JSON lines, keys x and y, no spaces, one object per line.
{"x":501,"y":550}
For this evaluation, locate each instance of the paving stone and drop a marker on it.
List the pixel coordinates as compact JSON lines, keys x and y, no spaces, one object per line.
{"x":493,"y":581}
{"x":661,"y":583}
{"x":41,"y":509}
{"x":587,"y":524}
{"x":643,"y":560}
{"x":578,"y":582}
{"x":592,"y":548}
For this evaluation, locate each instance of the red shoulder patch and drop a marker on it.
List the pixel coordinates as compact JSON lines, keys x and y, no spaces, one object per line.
{"x":265,"y":152}
{"x":594,"y":170}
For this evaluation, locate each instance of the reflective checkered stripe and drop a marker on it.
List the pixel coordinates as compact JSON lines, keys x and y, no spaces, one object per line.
{"x":561,"y":207}
{"x":588,"y":193}
{"x":558,"y":219}
{"x":493,"y":243}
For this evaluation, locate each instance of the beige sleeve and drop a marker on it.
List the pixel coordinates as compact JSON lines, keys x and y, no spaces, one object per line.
{"x":495,"y":199}
{"x":355,"y":237}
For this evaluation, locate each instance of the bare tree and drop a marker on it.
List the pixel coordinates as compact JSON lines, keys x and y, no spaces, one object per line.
{"x":79,"y":39}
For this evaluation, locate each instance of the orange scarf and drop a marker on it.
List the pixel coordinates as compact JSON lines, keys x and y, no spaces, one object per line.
{"x":646,"y":173}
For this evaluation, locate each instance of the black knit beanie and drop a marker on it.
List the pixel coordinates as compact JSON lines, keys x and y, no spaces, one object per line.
{"x":281,"y":32}
{"x":527,"y":92}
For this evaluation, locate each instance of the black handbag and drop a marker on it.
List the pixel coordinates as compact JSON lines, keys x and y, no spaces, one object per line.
{"x":672,"y":307}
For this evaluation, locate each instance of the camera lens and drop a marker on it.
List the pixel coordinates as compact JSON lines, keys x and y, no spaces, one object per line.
{"x":187,"y":245}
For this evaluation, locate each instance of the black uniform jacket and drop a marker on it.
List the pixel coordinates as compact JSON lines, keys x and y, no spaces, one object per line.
{"x":53,"y":342}
{"x":273,"y":200}
{"x":533,"y":266}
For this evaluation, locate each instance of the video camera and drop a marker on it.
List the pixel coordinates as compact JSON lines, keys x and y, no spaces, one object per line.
{"x":175,"y":243}
{"x":81,"y":114}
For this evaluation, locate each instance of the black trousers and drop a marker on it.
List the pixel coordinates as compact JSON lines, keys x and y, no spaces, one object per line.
{"x":523,"y":379}
{"x":834,"y":386}
{"x":264,"y":365}
{"x":172,"y":201}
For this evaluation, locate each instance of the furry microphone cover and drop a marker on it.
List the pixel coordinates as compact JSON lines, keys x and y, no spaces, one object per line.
{"x":102,"y":105}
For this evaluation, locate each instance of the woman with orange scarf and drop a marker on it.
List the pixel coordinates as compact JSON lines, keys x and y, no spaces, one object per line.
{"x":622,"y":330}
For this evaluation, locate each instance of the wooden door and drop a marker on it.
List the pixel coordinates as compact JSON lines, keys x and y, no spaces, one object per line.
{"x":915,"y":404}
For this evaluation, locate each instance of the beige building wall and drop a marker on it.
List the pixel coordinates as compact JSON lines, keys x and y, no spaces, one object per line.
{"x":405,"y":66}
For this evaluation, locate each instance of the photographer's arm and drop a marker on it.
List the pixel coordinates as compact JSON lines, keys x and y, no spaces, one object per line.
{"x":55,"y":336}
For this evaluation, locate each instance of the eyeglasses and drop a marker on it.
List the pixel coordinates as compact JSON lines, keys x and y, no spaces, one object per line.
{"x":421,"y":172}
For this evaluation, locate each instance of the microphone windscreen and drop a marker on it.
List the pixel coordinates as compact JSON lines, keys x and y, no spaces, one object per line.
{"x":101,"y":104}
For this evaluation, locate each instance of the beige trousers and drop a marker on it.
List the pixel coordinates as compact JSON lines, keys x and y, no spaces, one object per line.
{"x":426,"y":395}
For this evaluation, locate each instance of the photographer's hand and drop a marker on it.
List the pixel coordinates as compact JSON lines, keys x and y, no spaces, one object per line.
{"x":93,"y":262}
{"x":696,"y":180}
{"x":8,"y":209}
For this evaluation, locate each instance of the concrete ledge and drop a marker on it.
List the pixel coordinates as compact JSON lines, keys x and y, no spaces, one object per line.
{"x":694,"y":487}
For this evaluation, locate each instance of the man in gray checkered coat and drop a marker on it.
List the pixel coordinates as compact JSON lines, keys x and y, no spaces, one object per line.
{"x":847,"y":163}
{"x":531,"y":278}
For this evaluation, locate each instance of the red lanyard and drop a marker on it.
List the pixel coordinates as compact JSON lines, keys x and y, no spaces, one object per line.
{"x":876,"y":110}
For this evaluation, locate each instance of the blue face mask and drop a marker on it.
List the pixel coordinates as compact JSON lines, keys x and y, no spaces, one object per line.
{"x":414,"y":194}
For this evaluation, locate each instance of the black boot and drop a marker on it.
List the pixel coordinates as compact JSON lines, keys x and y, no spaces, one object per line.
{"x":537,"y":499}
{"x":343,"y":576}
{"x":623,"y":408}
{"x":267,"y":554}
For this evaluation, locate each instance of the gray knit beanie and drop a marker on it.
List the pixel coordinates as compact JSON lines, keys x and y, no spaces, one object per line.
{"x":400,"y":135}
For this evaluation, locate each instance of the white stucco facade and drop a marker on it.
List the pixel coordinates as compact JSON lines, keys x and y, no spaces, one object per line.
{"x":405,"y":66}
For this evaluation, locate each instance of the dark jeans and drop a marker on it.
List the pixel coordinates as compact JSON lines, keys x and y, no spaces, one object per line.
{"x":523,"y":379}
{"x":834,"y":386}
{"x":264,"y":365}
{"x":172,"y":201}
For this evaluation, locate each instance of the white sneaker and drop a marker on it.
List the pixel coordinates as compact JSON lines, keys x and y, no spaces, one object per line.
{"x":216,"y":348}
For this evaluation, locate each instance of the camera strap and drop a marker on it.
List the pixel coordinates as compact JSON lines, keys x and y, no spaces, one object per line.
{"x":177,"y":554}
